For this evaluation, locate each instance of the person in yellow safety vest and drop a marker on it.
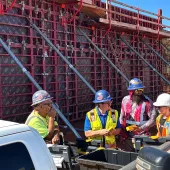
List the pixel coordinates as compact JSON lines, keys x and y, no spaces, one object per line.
{"x":43,"y":116}
{"x":163,"y":120}
{"x":102,"y":122}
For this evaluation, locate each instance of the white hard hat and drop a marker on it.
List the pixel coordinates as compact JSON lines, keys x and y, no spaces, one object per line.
{"x":162,"y":100}
{"x":40,"y":96}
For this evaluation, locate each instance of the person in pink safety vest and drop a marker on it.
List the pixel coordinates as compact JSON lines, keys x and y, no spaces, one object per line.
{"x":137,"y":109}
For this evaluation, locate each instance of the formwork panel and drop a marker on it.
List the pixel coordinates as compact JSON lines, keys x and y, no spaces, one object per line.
{"x":53,"y":74}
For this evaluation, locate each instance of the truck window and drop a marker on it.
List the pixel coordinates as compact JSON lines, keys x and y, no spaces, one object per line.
{"x":15,"y":156}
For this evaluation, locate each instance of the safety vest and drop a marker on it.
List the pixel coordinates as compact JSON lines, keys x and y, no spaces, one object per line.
{"x":96,"y":124}
{"x":165,"y":127}
{"x":138,"y":113}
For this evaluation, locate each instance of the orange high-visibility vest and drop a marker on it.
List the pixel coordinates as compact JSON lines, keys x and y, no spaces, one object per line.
{"x":165,"y":126}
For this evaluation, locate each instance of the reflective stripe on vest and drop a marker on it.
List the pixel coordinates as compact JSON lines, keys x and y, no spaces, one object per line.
{"x":165,"y":127}
{"x":96,"y":124}
{"x":31,"y":117}
{"x":135,"y":123}
{"x":141,"y":117}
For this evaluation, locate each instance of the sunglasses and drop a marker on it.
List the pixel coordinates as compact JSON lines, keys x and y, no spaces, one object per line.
{"x":160,"y":107}
{"x":108,"y":102}
{"x":139,"y":90}
{"x":47,"y":104}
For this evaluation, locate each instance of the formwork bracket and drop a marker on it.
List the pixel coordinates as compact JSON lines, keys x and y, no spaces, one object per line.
{"x":45,"y":54}
{"x":22,"y":3}
{"x":58,"y":46}
{"x":45,"y":74}
{"x":49,"y":13}
{"x":23,"y":44}
{"x":36,"y":9}
{"x":9,"y":42}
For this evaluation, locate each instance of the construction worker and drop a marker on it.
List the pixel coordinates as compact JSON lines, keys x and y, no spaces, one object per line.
{"x":43,"y":116}
{"x":137,"y":109}
{"x":102,"y":122}
{"x":163,"y":120}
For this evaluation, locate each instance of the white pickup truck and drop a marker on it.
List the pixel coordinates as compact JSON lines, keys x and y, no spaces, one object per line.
{"x":22,"y":148}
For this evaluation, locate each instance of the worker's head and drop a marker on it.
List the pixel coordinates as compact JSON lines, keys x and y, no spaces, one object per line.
{"x":41,"y":101}
{"x":136,"y":89}
{"x":163,"y":104}
{"x":103,"y":99}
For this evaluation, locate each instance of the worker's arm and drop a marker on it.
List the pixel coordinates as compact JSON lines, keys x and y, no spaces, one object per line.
{"x":151,"y":122}
{"x":122,"y":113}
{"x":117,"y":130}
{"x":56,"y":136}
{"x":51,"y":124}
{"x":93,"y":133}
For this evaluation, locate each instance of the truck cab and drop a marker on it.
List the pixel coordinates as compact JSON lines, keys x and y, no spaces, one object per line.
{"x":22,"y":148}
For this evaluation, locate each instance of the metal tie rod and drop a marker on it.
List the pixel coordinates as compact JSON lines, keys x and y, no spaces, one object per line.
{"x":156,"y":52}
{"x":165,"y":47}
{"x":63,"y":57}
{"x":27,"y":73}
{"x":111,"y":63}
{"x":145,"y":61}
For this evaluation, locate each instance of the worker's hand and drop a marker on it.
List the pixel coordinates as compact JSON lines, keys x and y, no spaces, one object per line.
{"x":52,"y":113}
{"x":103,"y":132}
{"x":56,"y":139}
{"x":136,"y":129}
{"x":112,"y":132}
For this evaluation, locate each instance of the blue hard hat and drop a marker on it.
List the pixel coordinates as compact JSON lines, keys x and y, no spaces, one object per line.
{"x":102,"y":96}
{"x":135,"y":83}
{"x":40,"y":96}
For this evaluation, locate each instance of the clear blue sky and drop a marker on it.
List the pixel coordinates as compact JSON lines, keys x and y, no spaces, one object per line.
{"x":152,"y":6}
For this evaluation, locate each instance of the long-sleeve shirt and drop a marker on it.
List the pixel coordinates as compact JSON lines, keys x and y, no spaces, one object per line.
{"x":132,"y":111}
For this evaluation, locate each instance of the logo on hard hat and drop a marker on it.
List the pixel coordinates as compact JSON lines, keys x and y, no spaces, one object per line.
{"x":100,"y":97}
{"x":108,"y":96}
{"x":39,"y":97}
{"x":134,"y":82}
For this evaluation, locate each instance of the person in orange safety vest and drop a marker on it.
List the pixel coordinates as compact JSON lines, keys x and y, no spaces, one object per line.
{"x":163,"y":120}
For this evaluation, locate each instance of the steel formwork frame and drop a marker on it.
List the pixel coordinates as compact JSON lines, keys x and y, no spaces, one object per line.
{"x":70,"y":93}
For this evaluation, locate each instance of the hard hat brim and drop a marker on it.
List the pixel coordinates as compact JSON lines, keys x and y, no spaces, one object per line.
{"x":158,"y":104}
{"x":33,"y":104}
{"x":102,"y":101}
{"x":135,"y":88}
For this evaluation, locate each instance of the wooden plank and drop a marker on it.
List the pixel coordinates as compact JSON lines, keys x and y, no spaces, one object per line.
{"x":92,"y":11}
{"x":126,"y":26}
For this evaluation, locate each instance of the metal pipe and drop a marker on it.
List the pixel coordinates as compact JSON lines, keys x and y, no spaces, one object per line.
{"x":63,"y":57}
{"x":165,"y":47}
{"x":156,"y":52}
{"x":114,"y":66}
{"x":27,"y":73}
{"x":154,"y":69}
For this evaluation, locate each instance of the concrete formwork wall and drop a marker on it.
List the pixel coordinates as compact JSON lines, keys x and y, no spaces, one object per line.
{"x":50,"y":71}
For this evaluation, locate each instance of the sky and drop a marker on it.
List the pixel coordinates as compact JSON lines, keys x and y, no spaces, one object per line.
{"x":152,"y":6}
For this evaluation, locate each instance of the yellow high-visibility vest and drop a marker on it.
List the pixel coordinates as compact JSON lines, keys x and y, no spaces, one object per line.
{"x":96,"y":124}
